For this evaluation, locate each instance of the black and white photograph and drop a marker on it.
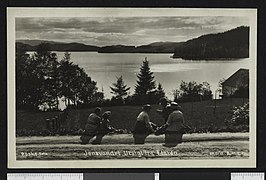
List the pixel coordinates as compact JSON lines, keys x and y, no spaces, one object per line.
{"x":131,"y":87}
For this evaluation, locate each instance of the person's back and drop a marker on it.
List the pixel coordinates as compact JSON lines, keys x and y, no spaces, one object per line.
{"x":93,"y":118}
{"x":173,"y":133}
{"x":143,"y":124}
{"x":92,"y":126}
{"x":93,"y":122}
{"x":175,"y":121}
{"x":143,"y":116}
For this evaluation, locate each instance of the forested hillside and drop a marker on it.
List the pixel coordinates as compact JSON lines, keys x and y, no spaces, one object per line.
{"x":230,"y":44}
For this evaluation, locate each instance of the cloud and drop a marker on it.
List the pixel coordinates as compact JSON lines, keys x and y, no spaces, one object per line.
{"x":123,"y":30}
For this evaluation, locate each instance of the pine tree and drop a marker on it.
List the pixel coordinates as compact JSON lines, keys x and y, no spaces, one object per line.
{"x":119,"y":89}
{"x":160,"y":91}
{"x":67,"y":73}
{"x":145,"y":82}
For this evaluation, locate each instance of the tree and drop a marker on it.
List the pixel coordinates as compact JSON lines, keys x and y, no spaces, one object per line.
{"x":41,"y":81}
{"x":119,"y":89}
{"x":67,"y":72}
{"x":145,"y":83}
{"x":86,"y":90}
{"x":159,"y":93}
{"x":190,"y":90}
{"x":76,"y":86}
{"x":36,"y":78}
{"x":47,"y":74}
{"x":23,"y":72}
{"x":176,"y":94}
{"x":193,"y":91}
{"x":205,"y":91}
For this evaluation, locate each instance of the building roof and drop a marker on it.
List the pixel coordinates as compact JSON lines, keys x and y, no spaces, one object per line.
{"x":240,"y":77}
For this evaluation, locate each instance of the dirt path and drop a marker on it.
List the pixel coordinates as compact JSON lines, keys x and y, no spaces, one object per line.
{"x":194,"y":146}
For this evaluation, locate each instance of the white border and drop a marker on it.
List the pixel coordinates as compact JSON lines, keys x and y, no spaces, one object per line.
{"x":12,"y":13}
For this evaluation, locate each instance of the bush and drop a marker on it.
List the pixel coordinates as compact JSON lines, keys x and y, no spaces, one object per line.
{"x":240,"y":118}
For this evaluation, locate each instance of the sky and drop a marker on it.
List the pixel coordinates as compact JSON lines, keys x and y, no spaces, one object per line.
{"x":103,"y":31}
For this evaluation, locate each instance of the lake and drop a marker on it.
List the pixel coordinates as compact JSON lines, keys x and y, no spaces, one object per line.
{"x":104,"y":68}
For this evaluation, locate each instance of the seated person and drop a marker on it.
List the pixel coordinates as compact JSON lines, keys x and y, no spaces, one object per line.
{"x":166,"y":108}
{"x":175,"y":124}
{"x":92,"y":126}
{"x":143,"y":127}
{"x":104,"y":128}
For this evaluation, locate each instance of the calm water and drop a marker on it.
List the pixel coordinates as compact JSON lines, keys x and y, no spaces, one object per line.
{"x":104,"y":68}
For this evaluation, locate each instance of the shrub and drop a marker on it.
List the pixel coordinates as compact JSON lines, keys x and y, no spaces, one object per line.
{"x":240,"y":116}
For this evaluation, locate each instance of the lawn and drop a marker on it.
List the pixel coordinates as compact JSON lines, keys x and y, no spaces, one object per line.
{"x":199,"y":115}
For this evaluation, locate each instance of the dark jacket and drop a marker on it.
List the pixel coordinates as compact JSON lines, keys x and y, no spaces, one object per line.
{"x":93,"y":124}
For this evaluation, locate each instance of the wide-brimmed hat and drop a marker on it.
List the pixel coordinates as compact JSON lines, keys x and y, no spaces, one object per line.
{"x":175,"y":105}
{"x":106,"y":114}
{"x":146,"y":107}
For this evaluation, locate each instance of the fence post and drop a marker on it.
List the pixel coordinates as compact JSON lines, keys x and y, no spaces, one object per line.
{"x":53,"y":124}
{"x":47,"y":122}
{"x":57,"y":123}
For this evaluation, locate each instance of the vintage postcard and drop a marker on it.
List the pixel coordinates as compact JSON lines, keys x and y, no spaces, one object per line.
{"x":131,"y":87}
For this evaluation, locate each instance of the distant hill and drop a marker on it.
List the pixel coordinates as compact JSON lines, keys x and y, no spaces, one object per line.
{"x":117,"y":49}
{"x":228,"y":45}
{"x":31,"y":45}
{"x":157,"y":47}
{"x":73,"y":47}
{"x":20,"y":45}
{"x":36,"y":42}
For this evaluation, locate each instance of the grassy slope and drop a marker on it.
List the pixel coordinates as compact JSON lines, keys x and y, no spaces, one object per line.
{"x":128,"y":138}
{"x":197,"y":114}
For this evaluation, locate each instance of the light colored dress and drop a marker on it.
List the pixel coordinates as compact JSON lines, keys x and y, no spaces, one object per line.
{"x":173,"y":133}
{"x":175,"y":121}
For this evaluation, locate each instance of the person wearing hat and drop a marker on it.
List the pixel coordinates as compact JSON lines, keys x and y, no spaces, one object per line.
{"x":92,"y":126}
{"x":175,"y":123}
{"x":143,"y":126}
{"x":166,"y":108}
{"x":164,"y":113}
{"x":104,"y":128}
